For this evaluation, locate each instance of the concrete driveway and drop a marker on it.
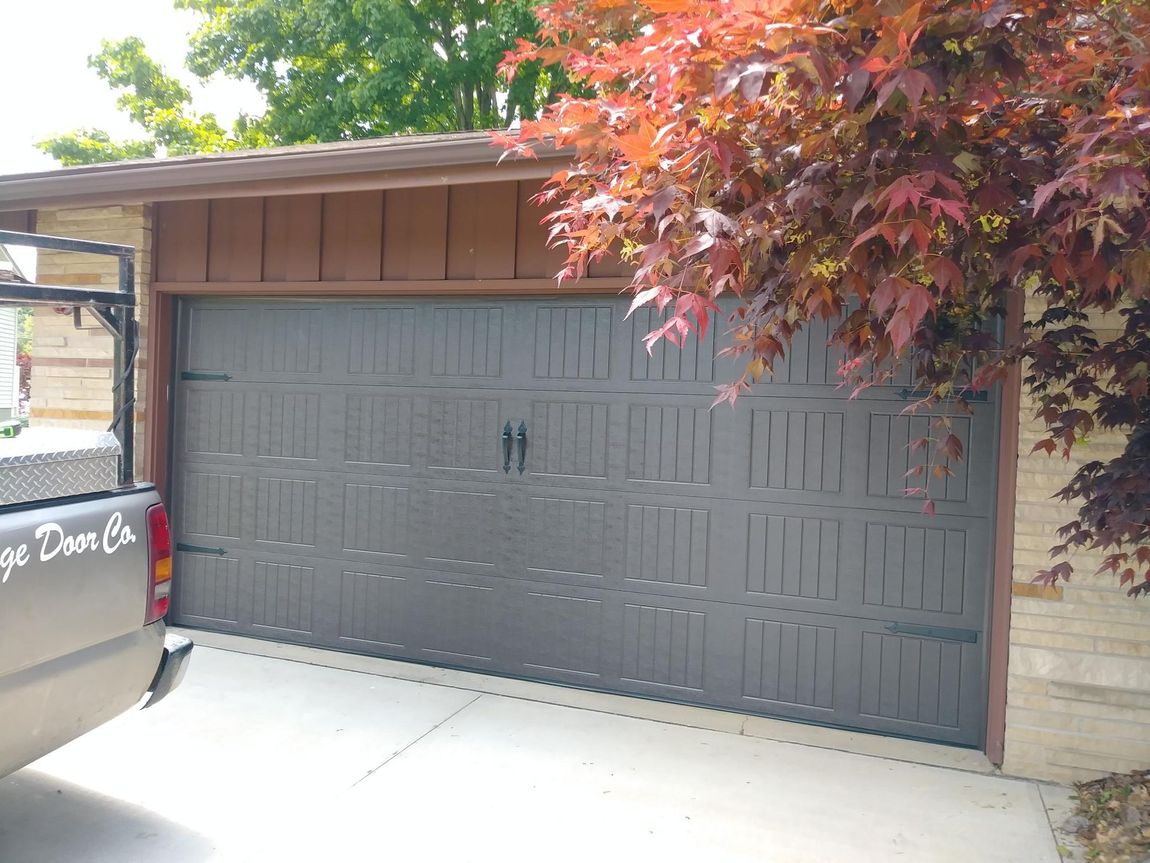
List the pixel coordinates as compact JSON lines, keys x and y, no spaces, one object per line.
{"x":258,"y":758}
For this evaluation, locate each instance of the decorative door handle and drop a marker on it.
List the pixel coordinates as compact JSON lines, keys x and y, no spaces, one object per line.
{"x":507,"y":447}
{"x":521,"y":437}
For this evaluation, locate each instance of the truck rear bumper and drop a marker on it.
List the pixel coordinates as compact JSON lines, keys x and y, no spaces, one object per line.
{"x":173,"y":665}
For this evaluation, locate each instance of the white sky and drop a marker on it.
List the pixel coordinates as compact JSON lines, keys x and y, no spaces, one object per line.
{"x":46,"y":86}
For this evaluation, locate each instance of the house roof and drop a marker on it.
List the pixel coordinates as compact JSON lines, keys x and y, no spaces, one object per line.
{"x":373,"y":163}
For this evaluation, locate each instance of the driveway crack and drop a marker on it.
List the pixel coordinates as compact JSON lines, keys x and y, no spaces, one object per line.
{"x":431,"y":730}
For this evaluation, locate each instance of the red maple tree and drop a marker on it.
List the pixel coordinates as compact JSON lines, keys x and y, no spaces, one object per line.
{"x":901,"y":168}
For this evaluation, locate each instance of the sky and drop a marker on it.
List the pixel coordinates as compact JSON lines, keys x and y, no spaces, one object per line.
{"x":47,"y":88}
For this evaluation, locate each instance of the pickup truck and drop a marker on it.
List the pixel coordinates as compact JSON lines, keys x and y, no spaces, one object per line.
{"x":85,"y":555}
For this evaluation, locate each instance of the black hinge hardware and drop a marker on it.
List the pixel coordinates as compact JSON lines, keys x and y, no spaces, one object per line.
{"x":918,"y":395}
{"x":200,"y":549}
{"x":205,"y":376}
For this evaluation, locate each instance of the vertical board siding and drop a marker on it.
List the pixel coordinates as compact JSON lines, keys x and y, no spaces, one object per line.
{"x":481,"y":231}
{"x":465,"y":232}
{"x":181,"y":241}
{"x":415,"y":233}
{"x":292,"y":238}
{"x":352,"y":236}
{"x":533,"y":258}
{"x":235,"y":240}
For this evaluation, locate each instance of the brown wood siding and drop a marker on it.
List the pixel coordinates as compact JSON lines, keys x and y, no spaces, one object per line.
{"x":352,"y":231}
{"x":441,"y":235}
{"x":415,"y":233}
{"x":23,"y":221}
{"x":235,"y":240}
{"x":533,"y":258}
{"x":183,"y":256}
{"x":481,"y":231}
{"x":292,"y":238}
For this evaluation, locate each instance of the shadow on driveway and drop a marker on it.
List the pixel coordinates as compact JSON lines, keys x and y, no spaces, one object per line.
{"x":45,"y":820}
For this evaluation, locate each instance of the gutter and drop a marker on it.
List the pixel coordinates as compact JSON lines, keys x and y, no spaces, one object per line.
{"x":344,"y":166}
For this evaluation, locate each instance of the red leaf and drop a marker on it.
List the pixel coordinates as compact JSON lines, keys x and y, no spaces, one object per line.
{"x":698,"y":243}
{"x":916,"y":301}
{"x":887,"y":293}
{"x":945,"y":272}
{"x":642,"y":298}
{"x":855,"y":87}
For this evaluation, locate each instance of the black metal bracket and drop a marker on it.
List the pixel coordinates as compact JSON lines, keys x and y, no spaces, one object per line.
{"x":946,"y":633}
{"x":105,"y":315}
{"x":205,"y":376}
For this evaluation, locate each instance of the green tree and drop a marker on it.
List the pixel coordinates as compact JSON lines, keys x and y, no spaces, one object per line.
{"x":329,"y":70}
{"x":159,"y":103}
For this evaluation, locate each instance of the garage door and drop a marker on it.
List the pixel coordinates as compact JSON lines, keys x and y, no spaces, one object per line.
{"x":515,"y":486}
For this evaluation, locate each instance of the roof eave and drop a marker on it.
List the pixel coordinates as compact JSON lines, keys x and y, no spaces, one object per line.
{"x":384,"y":163}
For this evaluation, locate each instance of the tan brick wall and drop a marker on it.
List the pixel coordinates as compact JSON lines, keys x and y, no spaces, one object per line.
{"x":1078,"y":687}
{"x":72,"y":368}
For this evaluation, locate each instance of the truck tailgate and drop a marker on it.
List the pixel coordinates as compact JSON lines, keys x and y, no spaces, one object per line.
{"x":73,"y":574}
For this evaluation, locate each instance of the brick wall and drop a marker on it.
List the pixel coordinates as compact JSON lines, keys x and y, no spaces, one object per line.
{"x":72,"y":368}
{"x":1078,"y":687}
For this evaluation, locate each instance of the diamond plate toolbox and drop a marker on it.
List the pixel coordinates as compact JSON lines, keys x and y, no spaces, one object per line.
{"x":46,"y":463}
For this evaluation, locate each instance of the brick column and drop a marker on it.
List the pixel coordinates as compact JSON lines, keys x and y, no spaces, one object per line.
{"x":72,"y":368}
{"x":1078,"y":686}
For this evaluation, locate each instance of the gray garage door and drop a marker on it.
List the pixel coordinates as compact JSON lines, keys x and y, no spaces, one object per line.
{"x":514,"y":486}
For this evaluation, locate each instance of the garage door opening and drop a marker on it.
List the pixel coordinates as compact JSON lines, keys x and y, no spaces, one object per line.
{"x":514,"y":486}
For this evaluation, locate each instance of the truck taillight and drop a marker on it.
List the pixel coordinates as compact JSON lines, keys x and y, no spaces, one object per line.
{"x":159,"y":563}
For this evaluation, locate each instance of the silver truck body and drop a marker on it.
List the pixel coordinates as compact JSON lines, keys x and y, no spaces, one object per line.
{"x":74,"y":650}
{"x":81,"y":631}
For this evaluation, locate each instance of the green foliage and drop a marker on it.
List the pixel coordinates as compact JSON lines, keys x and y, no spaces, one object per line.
{"x":333,"y":69}
{"x":24,"y":319}
{"x":159,"y":103}
{"x":329,"y":70}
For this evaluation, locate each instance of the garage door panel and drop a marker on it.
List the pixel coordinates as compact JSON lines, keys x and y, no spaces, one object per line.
{"x":669,"y":443}
{"x":694,"y":362}
{"x":664,"y":645}
{"x":378,"y":430}
{"x":458,"y":621}
{"x":283,"y":596}
{"x":217,"y":337}
{"x":212,"y":423}
{"x":569,"y":538}
{"x":463,"y":528}
{"x":372,"y":607}
{"x":343,"y":485}
{"x":573,"y":341}
{"x":919,"y":686}
{"x":207,"y":591}
{"x":561,"y":632}
{"x":568,"y":439}
{"x":787,"y":663}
